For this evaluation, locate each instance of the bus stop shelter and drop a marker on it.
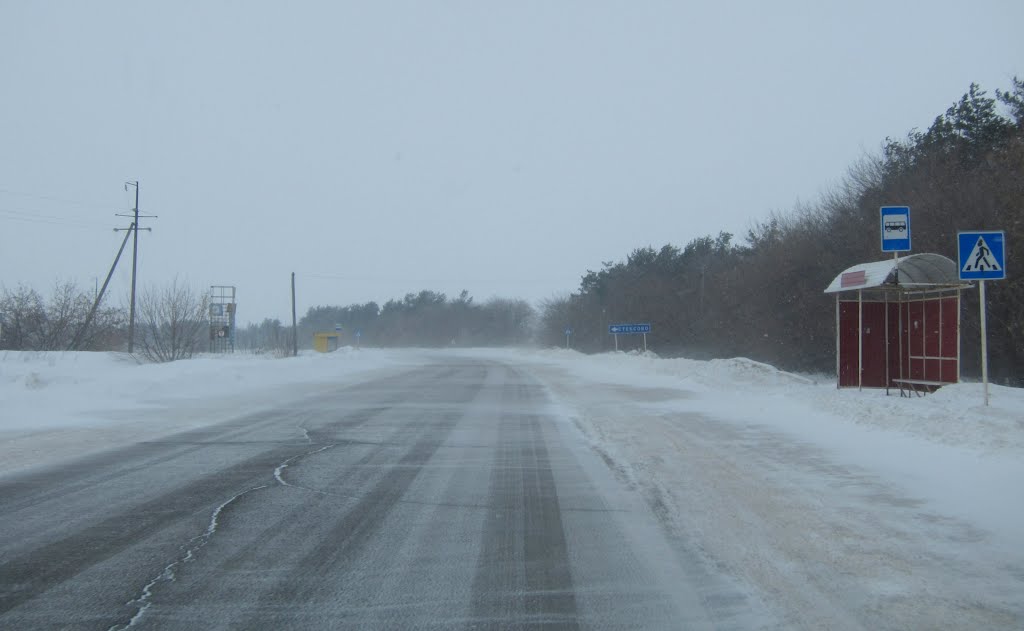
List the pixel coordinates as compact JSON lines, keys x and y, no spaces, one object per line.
{"x":898,"y":323}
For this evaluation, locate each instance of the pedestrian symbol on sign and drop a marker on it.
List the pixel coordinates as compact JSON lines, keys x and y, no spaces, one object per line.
{"x":980,"y":259}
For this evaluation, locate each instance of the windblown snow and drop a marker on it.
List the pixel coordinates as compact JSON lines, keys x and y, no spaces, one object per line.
{"x":816,"y":499}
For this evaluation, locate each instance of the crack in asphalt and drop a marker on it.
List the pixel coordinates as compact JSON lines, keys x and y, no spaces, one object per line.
{"x":145,"y":599}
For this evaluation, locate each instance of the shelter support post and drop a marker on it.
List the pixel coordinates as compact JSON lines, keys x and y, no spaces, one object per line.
{"x":838,"y":358}
{"x":887,"y":344}
{"x":860,"y":340}
{"x":959,"y":293}
{"x":900,"y":332}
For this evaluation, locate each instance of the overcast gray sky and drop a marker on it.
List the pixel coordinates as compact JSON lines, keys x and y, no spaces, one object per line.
{"x":380,"y":148}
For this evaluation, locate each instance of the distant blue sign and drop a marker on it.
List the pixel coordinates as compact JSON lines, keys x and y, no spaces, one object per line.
{"x":625,"y":329}
{"x":337,"y":328}
{"x":568,"y":332}
{"x":359,"y":334}
{"x":982,"y":255}
{"x":895,"y":228}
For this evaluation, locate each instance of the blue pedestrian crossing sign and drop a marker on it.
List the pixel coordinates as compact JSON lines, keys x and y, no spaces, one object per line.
{"x":982,"y":255}
{"x":895,"y":228}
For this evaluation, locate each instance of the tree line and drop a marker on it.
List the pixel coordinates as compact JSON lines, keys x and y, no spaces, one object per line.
{"x":763,"y":298}
{"x":172,"y":322}
{"x":427,"y":319}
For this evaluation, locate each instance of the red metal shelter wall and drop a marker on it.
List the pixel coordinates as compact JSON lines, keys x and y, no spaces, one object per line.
{"x":931,"y":341}
{"x":921,"y":333}
{"x":875,"y":330}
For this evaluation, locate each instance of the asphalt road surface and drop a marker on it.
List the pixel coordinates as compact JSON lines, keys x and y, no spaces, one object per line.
{"x":453,"y":496}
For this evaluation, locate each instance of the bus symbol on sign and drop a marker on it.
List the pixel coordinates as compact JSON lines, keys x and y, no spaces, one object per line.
{"x":896,"y":225}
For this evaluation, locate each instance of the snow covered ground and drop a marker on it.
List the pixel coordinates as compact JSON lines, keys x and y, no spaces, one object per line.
{"x":56,"y":405}
{"x":908,"y":512}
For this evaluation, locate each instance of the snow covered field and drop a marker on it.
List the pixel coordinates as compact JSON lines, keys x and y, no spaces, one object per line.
{"x":907,"y":511}
{"x":55,"y":406}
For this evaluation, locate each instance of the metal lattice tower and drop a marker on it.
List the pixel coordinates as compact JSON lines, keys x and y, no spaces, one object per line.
{"x":222,"y":318}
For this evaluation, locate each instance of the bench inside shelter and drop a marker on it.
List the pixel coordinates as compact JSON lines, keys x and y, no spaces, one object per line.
{"x":920,"y":387}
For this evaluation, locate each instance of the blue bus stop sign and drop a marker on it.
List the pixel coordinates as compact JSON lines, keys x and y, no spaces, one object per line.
{"x":895,"y":228}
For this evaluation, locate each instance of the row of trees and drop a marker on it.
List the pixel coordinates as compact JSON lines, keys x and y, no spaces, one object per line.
{"x":763,"y":298}
{"x":171,"y":322}
{"x":427,"y":318}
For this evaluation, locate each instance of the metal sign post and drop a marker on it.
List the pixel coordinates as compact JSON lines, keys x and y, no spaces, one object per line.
{"x":895,"y":232}
{"x":982,"y":256}
{"x":984,"y":338}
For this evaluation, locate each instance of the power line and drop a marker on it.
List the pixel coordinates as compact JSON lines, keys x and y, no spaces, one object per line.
{"x":395,"y":279}
{"x":53,"y":220}
{"x":53,"y":198}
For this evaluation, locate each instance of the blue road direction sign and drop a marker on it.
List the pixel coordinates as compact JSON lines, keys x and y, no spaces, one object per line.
{"x":626,"y":329}
{"x":568,"y":331}
{"x":982,"y":255}
{"x":895,"y":228}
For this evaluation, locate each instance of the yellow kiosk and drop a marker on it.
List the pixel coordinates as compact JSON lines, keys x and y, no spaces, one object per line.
{"x":326,"y":342}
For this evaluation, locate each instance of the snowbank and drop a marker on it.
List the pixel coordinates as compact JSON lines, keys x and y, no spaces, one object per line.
{"x":955,"y":415}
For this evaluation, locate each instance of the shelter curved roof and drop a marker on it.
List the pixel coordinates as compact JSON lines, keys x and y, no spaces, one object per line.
{"x":916,"y":272}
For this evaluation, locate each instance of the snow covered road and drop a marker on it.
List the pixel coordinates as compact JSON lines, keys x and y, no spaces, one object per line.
{"x":500,"y":489}
{"x":448,"y":496}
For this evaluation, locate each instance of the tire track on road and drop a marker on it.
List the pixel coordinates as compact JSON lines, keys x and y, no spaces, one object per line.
{"x":523,"y":577}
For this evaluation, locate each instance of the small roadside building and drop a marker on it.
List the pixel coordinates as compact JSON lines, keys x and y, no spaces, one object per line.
{"x":898,"y":323}
{"x":326,"y":342}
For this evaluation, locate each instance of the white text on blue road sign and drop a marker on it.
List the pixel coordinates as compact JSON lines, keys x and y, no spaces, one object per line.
{"x":621,"y":329}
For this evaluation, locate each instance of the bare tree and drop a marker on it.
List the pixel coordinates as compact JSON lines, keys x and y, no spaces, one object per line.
{"x":32,"y":323}
{"x":171,"y":322}
{"x":23,"y":316}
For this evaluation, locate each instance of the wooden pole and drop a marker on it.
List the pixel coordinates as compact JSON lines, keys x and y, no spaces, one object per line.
{"x":295,"y":330}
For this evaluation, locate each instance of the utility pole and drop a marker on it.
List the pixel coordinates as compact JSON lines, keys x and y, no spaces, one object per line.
{"x":295,"y":331}
{"x":80,"y":337}
{"x":135,"y":260}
